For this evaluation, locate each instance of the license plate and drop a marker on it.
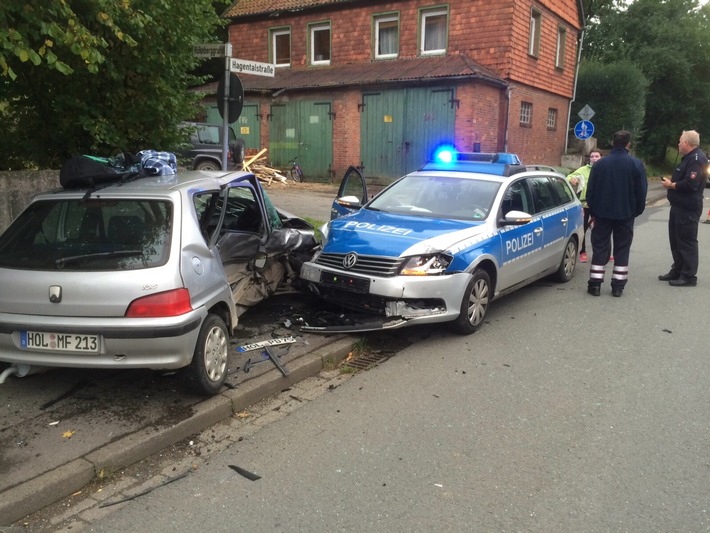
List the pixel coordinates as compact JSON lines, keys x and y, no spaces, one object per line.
{"x":59,"y":342}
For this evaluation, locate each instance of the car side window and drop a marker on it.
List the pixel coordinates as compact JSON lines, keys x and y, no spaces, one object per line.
{"x":243,"y":213}
{"x":563,"y":191}
{"x":517,"y":198}
{"x":544,"y":196}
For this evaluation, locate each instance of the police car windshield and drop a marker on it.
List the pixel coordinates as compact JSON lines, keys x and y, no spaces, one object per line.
{"x":438,"y":197}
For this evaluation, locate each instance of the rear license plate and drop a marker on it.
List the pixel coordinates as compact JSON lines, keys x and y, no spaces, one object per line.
{"x":59,"y":342}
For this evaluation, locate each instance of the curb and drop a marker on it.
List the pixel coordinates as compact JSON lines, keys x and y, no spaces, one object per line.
{"x":39,"y":492}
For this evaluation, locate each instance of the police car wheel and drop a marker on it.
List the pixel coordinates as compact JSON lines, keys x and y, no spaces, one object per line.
{"x":569,"y":262}
{"x":474,"y":305}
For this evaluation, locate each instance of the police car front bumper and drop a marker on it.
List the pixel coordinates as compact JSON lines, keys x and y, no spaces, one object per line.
{"x":401,"y":300}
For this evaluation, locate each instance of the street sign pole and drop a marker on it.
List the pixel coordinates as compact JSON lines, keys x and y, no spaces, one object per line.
{"x":225,"y":104}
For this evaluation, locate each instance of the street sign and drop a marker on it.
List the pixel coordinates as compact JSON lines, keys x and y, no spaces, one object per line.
{"x":210,"y":50}
{"x":235,"y":99}
{"x":583,"y":130}
{"x":586,"y":113}
{"x":252,"y":67}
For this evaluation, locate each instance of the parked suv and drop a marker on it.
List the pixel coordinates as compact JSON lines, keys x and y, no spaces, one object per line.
{"x":150,"y":273}
{"x":206,"y":147}
{"x":440,"y":244}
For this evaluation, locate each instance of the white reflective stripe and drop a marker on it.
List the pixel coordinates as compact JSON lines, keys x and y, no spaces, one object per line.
{"x":620,"y":272}
{"x":596,"y":272}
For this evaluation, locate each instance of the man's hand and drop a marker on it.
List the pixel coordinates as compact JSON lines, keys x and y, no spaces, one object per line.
{"x":667,"y":183}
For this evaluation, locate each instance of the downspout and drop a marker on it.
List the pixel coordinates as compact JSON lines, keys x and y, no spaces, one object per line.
{"x":574,"y":90}
{"x":508,"y":90}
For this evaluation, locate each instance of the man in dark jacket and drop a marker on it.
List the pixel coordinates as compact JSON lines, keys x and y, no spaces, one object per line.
{"x":616,"y":195}
{"x":685,"y":194}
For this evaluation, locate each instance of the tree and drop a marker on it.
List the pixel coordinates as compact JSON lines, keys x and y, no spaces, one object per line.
{"x":97,"y":76}
{"x":617,"y":93}
{"x":669,"y":40}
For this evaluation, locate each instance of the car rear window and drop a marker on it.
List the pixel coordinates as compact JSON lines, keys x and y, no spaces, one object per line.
{"x":88,"y":235}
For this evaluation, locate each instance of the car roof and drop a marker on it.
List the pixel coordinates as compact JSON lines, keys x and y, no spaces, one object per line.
{"x":496,"y":163}
{"x":160,"y":185}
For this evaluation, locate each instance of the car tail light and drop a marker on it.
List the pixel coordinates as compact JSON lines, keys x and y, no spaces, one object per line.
{"x":168,"y":303}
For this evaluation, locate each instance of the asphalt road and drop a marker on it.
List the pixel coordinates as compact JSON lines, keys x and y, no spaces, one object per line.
{"x":564,"y":413}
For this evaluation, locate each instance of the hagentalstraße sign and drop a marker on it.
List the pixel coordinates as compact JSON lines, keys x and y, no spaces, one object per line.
{"x":252,"y":67}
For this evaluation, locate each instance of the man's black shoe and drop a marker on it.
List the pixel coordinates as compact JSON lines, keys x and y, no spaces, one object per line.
{"x":594,"y":290}
{"x":617,"y":292}
{"x":668,"y":277}
{"x":682,"y":282}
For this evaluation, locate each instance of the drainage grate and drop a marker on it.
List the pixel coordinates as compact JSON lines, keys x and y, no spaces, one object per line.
{"x":366,"y":362}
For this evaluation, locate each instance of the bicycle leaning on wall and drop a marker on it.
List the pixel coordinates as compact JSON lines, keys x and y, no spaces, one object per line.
{"x":295,"y":173}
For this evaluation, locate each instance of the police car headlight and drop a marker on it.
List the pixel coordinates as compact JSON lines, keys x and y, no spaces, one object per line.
{"x":426,"y":265}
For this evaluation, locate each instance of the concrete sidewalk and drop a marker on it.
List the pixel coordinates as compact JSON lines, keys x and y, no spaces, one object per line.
{"x":32,"y":487}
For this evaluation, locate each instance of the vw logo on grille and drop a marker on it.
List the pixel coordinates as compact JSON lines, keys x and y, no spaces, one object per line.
{"x":349,"y":260}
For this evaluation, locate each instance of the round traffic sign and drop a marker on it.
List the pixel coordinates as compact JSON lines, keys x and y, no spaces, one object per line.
{"x":583,"y":129}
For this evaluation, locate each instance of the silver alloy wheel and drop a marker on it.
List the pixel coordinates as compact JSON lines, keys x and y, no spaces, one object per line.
{"x":478,"y":302}
{"x":216,"y":353}
{"x":570,"y":259}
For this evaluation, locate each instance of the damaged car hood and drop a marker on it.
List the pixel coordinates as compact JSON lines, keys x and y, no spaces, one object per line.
{"x":377,"y":233}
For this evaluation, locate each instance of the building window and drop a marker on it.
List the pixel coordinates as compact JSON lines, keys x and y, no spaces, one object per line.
{"x":320,"y":43}
{"x":433,"y":31}
{"x":526,"y":114}
{"x":386,"y":36}
{"x":535,"y":23}
{"x":552,"y":119}
{"x":281,"y":47}
{"x":560,"y":51}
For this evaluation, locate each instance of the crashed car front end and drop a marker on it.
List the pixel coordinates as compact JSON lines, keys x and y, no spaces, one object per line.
{"x":395,"y":291}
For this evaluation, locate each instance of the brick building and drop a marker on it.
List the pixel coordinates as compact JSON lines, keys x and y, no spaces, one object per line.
{"x":382,"y":83}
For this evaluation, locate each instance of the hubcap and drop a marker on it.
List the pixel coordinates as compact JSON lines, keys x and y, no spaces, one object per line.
{"x":478,"y":302}
{"x":216,"y":351}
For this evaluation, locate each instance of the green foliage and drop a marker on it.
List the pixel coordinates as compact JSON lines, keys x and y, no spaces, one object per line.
{"x":669,"y":41}
{"x":617,"y":93}
{"x":97,"y":76}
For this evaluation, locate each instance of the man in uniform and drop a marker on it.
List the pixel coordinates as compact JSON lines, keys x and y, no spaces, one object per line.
{"x":685,"y":194}
{"x":579,"y":179}
{"x":616,"y":195}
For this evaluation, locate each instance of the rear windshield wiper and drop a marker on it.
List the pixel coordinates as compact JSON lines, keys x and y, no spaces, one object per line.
{"x":70,"y":259}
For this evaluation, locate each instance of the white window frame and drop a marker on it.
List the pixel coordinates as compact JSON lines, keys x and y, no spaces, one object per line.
{"x":320,"y":26}
{"x":274,"y":35}
{"x":526,"y":109}
{"x":561,"y":46}
{"x":535,"y":31}
{"x":379,"y":19}
{"x":430,"y":14}
{"x":551,"y":118}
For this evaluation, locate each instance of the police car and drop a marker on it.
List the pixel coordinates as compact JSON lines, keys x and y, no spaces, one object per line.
{"x":441,"y":243}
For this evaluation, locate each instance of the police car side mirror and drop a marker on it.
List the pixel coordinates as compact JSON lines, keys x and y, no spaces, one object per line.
{"x":515,"y":218}
{"x":350,"y":201}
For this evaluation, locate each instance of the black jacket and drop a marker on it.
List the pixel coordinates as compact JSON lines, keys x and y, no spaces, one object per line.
{"x":689,"y":178}
{"x":617,"y":186}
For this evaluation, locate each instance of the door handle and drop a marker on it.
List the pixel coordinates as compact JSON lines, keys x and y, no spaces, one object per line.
{"x":565,"y":221}
{"x":537,"y":231}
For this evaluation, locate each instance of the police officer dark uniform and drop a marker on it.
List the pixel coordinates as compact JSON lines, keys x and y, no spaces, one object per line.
{"x":685,"y":194}
{"x":616,"y":195}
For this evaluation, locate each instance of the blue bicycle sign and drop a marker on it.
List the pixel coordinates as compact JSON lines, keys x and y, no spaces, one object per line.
{"x":583,"y":129}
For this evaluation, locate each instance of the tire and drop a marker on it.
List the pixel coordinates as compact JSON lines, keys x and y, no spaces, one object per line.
{"x":239,"y":151}
{"x":208,"y":370}
{"x":474,"y":304}
{"x":298,"y":175}
{"x":208,"y":164}
{"x":568,"y":263}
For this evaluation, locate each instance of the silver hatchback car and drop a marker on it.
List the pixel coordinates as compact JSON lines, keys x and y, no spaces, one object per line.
{"x":151,"y":273}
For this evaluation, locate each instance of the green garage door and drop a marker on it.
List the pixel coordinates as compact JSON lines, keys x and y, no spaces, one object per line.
{"x":246,"y":126}
{"x":400,"y":129}
{"x":304,"y":130}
